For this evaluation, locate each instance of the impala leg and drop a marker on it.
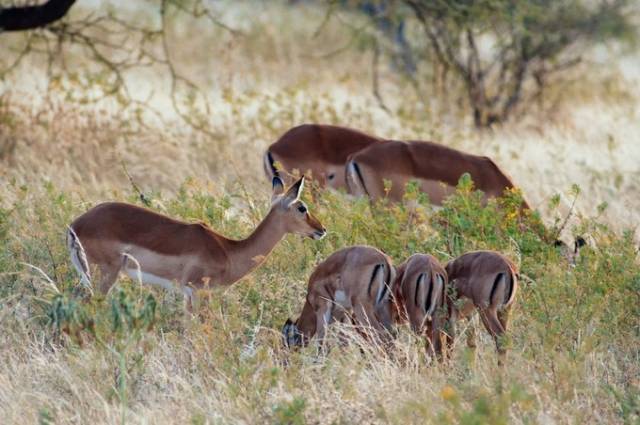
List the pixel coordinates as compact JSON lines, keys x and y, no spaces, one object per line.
{"x":190,"y":298}
{"x":433,"y":339}
{"x":494,"y":327}
{"x":339,"y":314}
{"x":323,"y":318}
{"x":503,"y":317}
{"x":366,"y":319}
{"x":429,"y":340}
{"x":190,"y":280}
{"x":471,"y":335}
{"x":436,"y":336}
{"x":108,"y":276}
{"x":450,"y":332}
{"x":471,"y":340}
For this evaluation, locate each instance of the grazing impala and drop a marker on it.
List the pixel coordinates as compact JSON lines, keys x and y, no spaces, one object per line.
{"x":320,"y":149}
{"x":352,"y":283}
{"x":571,"y":254}
{"x":437,"y":169}
{"x":420,"y":298}
{"x":485,"y":281}
{"x":176,"y":255}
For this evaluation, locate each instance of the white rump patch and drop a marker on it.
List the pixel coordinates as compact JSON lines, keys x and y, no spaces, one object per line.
{"x":354,"y":178}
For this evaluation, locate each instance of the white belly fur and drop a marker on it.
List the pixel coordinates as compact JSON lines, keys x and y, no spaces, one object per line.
{"x":151,"y":268}
{"x":151,"y":279}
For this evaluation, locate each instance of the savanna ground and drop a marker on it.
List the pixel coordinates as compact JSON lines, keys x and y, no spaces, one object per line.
{"x":134,"y":356}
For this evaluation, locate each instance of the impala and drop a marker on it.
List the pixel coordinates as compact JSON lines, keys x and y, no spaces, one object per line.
{"x":571,"y":254}
{"x":320,"y":149}
{"x":435,"y":167}
{"x":485,"y":281}
{"x":420,"y":298}
{"x":176,"y":255}
{"x":351,"y":284}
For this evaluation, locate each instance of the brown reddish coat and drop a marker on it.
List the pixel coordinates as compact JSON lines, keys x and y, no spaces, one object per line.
{"x":351,"y":284}
{"x":485,"y":281}
{"x":420,"y":298}
{"x":437,"y":169}
{"x":163,"y":251}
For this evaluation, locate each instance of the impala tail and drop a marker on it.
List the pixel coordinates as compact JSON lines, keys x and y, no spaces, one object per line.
{"x":78,"y":257}
{"x":382,"y":278}
{"x":355,"y":182}
{"x":503,"y":284}
{"x":380,"y":282}
{"x":434,"y":292}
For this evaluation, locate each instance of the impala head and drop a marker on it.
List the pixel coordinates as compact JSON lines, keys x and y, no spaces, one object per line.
{"x":291,"y":335}
{"x":294,"y":212}
{"x":325,"y":173}
{"x":571,"y":254}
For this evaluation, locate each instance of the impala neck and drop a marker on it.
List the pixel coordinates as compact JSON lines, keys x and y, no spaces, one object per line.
{"x":247,"y":254}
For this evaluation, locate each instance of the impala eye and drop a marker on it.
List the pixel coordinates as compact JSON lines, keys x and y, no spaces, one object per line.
{"x":331,"y":176}
{"x":302,"y":209}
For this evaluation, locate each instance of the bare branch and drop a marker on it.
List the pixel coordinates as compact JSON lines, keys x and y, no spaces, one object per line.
{"x":31,"y":17}
{"x":375,"y":81}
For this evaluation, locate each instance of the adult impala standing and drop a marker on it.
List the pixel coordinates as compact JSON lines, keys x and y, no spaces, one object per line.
{"x":176,"y":255}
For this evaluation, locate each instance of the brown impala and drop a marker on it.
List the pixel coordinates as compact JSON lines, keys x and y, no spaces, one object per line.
{"x":176,"y":255}
{"x":321,"y":149}
{"x":351,"y":283}
{"x":420,"y":298}
{"x":485,"y":281}
{"x":435,"y":167}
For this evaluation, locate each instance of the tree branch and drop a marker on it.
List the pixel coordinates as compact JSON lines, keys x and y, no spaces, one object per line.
{"x":31,"y":17}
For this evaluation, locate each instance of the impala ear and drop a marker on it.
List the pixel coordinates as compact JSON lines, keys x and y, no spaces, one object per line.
{"x":287,"y":338}
{"x":277,"y":186}
{"x":579,"y":243}
{"x":294,"y":192}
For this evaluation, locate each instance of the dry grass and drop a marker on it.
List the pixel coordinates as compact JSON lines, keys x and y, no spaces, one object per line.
{"x":58,"y":157}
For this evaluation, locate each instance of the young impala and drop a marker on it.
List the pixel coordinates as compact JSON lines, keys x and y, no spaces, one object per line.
{"x":435,"y":167}
{"x":420,"y":298}
{"x":176,"y":255}
{"x":485,"y":281}
{"x":320,"y":149}
{"x":351,"y":284}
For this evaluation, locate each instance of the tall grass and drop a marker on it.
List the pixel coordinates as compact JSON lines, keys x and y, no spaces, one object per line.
{"x":135,"y":356}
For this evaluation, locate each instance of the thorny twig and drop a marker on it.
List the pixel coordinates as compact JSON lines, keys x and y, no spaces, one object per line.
{"x":135,"y":187}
